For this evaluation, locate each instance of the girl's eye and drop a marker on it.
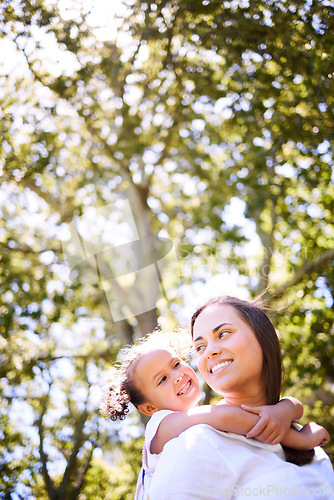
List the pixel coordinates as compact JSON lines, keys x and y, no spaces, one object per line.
{"x":162,"y":379}
{"x":199,"y":347}
{"x":177,"y":364}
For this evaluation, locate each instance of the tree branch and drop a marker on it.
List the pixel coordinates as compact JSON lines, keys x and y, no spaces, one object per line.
{"x":49,"y":200}
{"x":104,"y":268}
{"x":27,"y":250}
{"x":267,"y":242}
{"x":137,"y":194}
{"x":303,"y":272}
{"x":50,"y":488}
{"x":72,"y":461}
{"x":80,"y":476}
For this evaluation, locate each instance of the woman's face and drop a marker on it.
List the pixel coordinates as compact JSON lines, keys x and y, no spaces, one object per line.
{"x":229,"y":355}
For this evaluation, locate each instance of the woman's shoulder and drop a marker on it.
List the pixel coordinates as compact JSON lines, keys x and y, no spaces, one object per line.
{"x":249,"y":443}
{"x":203,"y":435}
{"x":322,"y":465}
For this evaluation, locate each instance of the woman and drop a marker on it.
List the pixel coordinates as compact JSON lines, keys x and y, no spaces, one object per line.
{"x":239,"y":356}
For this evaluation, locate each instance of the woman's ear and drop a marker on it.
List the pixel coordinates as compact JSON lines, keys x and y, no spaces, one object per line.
{"x":147,"y":409}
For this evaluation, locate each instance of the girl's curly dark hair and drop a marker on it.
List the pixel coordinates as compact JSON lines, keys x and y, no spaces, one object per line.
{"x":117,"y":406}
{"x":120,"y":387}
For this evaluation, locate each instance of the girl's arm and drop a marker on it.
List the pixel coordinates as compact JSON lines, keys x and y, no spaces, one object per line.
{"x":227,"y":418}
{"x":274,"y":426}
{"x":222,"y":417}
{"x":275,"y":419}
{"x":308,"y":437}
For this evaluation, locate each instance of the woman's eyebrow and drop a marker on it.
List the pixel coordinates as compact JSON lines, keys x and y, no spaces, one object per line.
{"x":198,"y":338}
{"x":219,"y":326}
{"x":214,"y":330}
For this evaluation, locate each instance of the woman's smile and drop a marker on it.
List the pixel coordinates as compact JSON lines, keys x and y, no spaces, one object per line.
{"x":220,"y":366}
{"x":229,"y":355}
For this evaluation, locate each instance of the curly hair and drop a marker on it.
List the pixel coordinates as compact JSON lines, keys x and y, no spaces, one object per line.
{"x":120,"y":387}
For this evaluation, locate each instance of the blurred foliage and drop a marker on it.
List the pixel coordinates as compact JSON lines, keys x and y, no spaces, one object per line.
{"x":117,"y":481}
{"x":215,"y":121}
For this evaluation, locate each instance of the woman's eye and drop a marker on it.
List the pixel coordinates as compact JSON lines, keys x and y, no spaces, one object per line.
{"x":162,"y":380}
{"x":177,"y":364}
{"x":199,"y":348}
{"x":223,"y":333}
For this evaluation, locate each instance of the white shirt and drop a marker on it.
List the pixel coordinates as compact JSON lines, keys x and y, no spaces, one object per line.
{"x":206,"y":464}
{"x":150,"y":460}
{"x":150,"y":432}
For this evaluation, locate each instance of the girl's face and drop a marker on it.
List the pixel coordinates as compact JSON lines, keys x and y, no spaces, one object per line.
{"x":229,"y":355}
{"x":166,"y":382}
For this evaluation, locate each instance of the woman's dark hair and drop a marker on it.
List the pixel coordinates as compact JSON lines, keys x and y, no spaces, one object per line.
{"x":253,"y":314}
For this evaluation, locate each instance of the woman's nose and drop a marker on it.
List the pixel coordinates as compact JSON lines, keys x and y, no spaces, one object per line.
{"x":212,"y":351}
{"x":178,"y":377}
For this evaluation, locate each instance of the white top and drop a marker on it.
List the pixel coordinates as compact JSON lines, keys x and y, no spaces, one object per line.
{"x":206,"y":464}
{"x":150,"y":460}
{"x":150,"y":432}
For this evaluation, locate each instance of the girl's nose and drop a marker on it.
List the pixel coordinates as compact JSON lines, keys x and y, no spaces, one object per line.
{"x":178,"y":377}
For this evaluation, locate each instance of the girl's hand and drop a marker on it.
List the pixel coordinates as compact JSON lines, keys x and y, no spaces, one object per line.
{"x":315,"y":435}
{"x":272,"y":426}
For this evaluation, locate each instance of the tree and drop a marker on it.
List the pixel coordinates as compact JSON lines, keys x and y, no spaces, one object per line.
{"x":212,"y":125}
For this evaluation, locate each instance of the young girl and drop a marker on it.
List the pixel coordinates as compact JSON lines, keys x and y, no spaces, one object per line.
{"x":161,"y":385}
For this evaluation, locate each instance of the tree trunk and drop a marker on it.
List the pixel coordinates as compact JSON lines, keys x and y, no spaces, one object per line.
{"x":147,"y":322}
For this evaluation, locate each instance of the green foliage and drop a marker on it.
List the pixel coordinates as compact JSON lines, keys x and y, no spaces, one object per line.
{"x":215,"y":121}
{"x":307,"y":339}
{"x":14,"y":456}
{"x":117,"y":481}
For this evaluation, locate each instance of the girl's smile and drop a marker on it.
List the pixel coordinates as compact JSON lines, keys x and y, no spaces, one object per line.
{"x":166,"y":382}
{"x":187,"y":386}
